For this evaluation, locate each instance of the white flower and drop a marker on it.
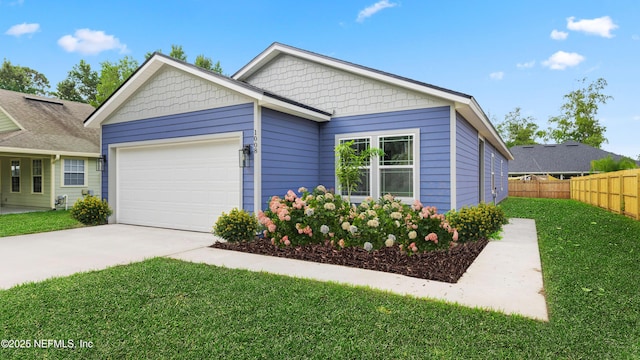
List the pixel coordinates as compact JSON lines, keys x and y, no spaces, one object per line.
{"x":324,"y":229}
{"x":321,"y":188}
{"x":309,"y":212}
{"x":319,"y":198}
{"x":396,"y":215}
{"x":371,"y":213}
{"x":328,"y":196}
{"x":364,"y":205}
{"x":388,"y":197}
{"x":373,"y":223}
{"x":368,"y":246}
{"x":330,"y":206}
{"x":353,"y":229}
{"x":412,"y":235}
{"x":302,"y":189}
{"x":391,"y":237}
{"x":389,"y":242}
{"x":346,"y":226}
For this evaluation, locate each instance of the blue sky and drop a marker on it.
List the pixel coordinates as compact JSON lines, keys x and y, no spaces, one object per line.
{"x":506,"y":54}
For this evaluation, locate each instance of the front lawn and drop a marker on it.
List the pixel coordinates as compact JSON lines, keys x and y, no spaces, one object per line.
{"x":35,"y":222}
{"x":164,"y":308}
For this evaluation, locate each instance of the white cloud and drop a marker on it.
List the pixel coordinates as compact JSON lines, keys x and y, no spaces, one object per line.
{"x":21,"y":29}
{"x":372,"y":9}
{"x":601,"y":26}
{"x":635,"y":37}
{"x":526,"y":65}
{"x":90,"y":42}
{"x":562,"y":60}
{"x":498,"y":75}
{"x":559,"y":35}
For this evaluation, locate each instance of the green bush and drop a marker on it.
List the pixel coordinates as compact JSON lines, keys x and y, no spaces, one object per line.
{"x":91,"y":211}
{"x":477,"y":222}
{"x":236,"y":226}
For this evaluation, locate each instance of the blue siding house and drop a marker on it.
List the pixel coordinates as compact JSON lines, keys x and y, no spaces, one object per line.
{"x":182,"y":144}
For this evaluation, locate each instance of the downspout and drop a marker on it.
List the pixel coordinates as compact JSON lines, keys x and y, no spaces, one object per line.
{"x":54,"y":160}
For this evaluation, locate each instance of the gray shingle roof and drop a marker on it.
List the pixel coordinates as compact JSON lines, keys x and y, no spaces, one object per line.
{"x":49,"y":124}
{"x":568,"y":157}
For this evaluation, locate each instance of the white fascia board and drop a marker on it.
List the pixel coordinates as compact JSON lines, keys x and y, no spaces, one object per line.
{"x":129,"y":87}
{"x":22,"y":151}
{"x":492,"y":130}
{"x":285,"y":107}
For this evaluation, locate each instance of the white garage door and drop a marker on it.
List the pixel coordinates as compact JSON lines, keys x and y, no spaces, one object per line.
{"x":179,"y":186}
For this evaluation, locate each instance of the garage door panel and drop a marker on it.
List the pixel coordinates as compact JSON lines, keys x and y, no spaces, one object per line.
{"x":181,"y":186}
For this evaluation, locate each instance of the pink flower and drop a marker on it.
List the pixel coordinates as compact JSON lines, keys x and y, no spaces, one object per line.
{"x":285,"y":240}
{"x":455,"y":235}
{"x":273,"y":241}
{"x":291,"y":196}
{"x":271,"y":227}
{"x":341,"y":243}
{"x":432,"y":237}
{"x":413,"y":247}
{"x":417,"y":205}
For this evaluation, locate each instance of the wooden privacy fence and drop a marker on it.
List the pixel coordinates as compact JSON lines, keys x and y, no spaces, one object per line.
{"x":552,"y":189}
{"x":615,"y":191}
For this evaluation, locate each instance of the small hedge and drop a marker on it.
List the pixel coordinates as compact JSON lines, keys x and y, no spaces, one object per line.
{"x":236,"y":226}
{"x":477,"y":222}
{"x":91,"y":211}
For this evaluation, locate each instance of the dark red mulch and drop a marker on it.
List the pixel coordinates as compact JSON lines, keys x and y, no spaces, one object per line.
{"x":447,"y":266}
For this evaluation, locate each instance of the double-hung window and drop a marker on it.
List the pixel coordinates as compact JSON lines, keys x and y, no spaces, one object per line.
{"x":395,"y":173}
{"x":15,"y":176}
{"x":74,"y":172}
{"x":36,"y":174}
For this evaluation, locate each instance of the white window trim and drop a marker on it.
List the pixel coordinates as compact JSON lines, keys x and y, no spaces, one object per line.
{"x":374,"y":174}
{"x":493,"y":175}
{"x":41,"y":177}
{"x":86,"y":173}
{"x":11,"y":176}
{"x":501,"y":175}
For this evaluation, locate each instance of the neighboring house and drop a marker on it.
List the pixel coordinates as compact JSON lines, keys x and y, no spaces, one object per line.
{"x":174,"y":136}
{"x":45,"y":151}
{"x":562,"y":161}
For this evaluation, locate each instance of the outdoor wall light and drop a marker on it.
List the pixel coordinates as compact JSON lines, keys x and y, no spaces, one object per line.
{"x":101,"y":162}
{"x":245,"y":154}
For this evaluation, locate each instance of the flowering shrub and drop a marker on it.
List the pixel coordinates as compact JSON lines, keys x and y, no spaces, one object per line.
{"x":91,"y":211}
{"x":477,"y":222}
{"x":322,"y":217}
{"x":236,"y":226}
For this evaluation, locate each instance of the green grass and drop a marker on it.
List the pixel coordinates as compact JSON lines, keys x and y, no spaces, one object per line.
{"x":35,"y":222}
{"x":164,"y":308}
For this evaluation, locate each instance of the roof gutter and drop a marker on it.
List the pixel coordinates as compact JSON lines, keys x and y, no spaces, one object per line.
{"x":56,"y":153}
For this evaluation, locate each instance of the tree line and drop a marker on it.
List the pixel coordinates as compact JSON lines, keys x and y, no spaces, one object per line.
{"x":578,"y":121}
{"x":84,"y":84}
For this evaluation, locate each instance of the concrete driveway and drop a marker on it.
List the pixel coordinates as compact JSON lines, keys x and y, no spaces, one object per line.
{"x":36,"y":257}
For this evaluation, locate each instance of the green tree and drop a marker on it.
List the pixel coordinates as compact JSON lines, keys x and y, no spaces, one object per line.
{"x":349,"y":161}
{"x":178,"y":53}
{"x":207,"y":64}
{"x":22,"y":79}
{"x":112,"y":75}
{"x":80,"y":85}
{"x":578,"y":120}
{"x":608,"y":164}
{"x":519,"y":130}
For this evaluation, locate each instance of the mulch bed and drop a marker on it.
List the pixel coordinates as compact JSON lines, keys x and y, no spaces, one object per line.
{"x":442,"y":265}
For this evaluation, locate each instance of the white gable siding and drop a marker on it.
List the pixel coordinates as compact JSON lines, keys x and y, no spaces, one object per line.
{"x":173,"y":92}
{"x":6,"y":124}
{"x":334,"y":90}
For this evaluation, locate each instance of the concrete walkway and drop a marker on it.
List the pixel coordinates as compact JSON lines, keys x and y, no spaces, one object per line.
{"x":505,"y":277}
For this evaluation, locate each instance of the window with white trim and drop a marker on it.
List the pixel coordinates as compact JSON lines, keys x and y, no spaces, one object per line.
{"x":15,"y":176}
{"x":74,"y":172}
{"x":396,"y":172}
{"x":36,"y":176}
